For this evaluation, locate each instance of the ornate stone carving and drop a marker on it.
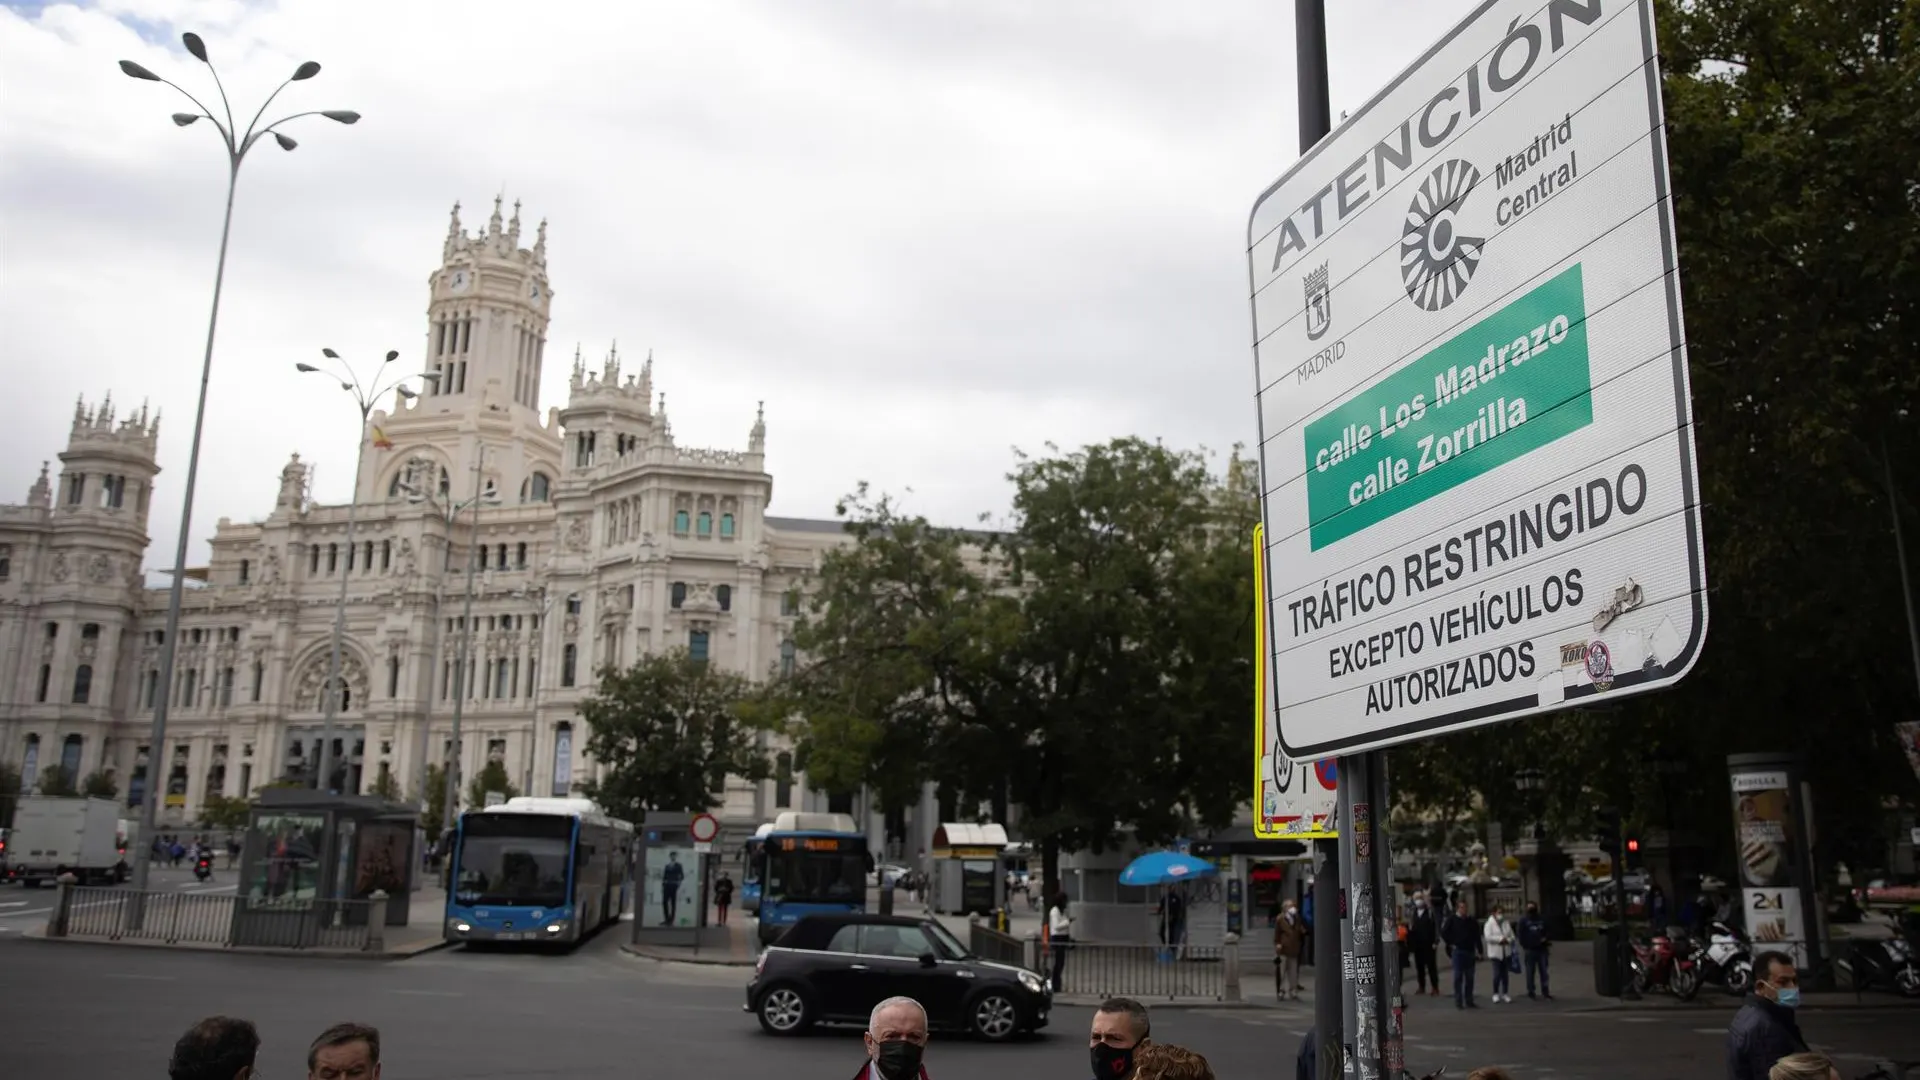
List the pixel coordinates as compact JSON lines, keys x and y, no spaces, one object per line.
{"x":576,"y":538}
{"x":270,"y":572}
{"x":307,"y":687}
{"x":59,"y":571}
{"x":406,"y":556}
{"x":100,"y":569}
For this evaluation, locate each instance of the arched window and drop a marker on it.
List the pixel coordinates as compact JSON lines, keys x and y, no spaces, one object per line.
{"x":536,"y":488}
{"x":678,"y":592}
{"x":680,"y":522}
{"x":70,"y":758}
{"x":82,"y":683}
{"x":786,"y":657}
{"x":569,"y":659}
{"x":783,"y":780}
{"x":393,"y":676}
{"x":726,"y":526}
{"x":446,"y":482}
{"x":724,"y":594}
{"x":706,"y":523}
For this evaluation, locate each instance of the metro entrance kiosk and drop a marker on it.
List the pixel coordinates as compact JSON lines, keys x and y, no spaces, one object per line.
{"x":965,"y":875}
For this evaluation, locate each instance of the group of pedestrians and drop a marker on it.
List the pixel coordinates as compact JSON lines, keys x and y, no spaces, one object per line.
{"x":228,"y":1048}
{"x":1119,"y":1045}
{"x":1511,"y":948}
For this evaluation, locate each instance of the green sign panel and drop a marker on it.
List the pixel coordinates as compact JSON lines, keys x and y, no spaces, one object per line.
{"x":1512,"y":383}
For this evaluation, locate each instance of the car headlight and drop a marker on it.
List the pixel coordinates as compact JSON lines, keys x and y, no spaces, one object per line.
{"x":1032,"y":982}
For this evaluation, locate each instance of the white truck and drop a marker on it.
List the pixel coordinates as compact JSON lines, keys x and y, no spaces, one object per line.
{"x":54,"y":836}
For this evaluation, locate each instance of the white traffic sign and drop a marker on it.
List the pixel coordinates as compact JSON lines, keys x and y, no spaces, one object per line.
{"x":1296,"y":801}
{"x":1480,"y":495}
{"x":703,"y":828}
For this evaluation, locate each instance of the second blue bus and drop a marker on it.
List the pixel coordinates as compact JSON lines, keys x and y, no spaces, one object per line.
{"x":538,"y":870}
{"x":809,"y":864}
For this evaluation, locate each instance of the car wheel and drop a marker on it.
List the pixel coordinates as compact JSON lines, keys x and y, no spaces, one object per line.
{"x":783,"y":1011}
{"x":994,"y":1017}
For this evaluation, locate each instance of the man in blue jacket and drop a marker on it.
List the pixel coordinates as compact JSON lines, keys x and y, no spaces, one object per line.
{"x":1534,"y":944}
{"x":1765,"y":1029}
{"x":1461,"y":932}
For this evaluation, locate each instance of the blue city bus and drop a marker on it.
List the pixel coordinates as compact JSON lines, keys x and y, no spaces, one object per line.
{"x":810,"y":864}
{"x":538,"y":870}
{"x":750,"y":884}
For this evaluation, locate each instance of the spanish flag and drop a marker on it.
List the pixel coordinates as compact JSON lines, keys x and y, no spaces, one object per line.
{"x":380,"y":440}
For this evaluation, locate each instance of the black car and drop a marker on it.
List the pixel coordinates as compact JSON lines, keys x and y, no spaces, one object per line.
{"x":833,"y":969}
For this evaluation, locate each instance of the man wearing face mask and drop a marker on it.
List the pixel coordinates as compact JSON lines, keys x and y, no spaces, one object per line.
{"x":896,"y":1038}
{"x":1119,"y":1029}
{"x":1765,"y":1029}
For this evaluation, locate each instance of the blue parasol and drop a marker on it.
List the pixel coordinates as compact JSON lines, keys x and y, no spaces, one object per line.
{"x":1165,"y":868}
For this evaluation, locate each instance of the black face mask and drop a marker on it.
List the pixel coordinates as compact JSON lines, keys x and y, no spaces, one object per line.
{"x":1112,"y":1062}
{"x":898,"y":1059}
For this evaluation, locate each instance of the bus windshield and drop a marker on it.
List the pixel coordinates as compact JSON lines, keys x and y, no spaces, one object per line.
{"x":513,"y":859}
{"x":816,"y":877}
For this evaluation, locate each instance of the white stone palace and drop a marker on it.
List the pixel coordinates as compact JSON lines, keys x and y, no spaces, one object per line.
{"x":595,"y":539}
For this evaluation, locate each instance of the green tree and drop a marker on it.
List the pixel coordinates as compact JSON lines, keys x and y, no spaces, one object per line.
{"x":100,"y":785}
{"x":434,"y":799}
{"x":493,"y":777}
{"x":226,"y":813}
{"x":668,"y":731}
{"x":387,"y":787}
{"x":1792,"y":138}
{"x":9,"y":793}
{"x":55,"y":781}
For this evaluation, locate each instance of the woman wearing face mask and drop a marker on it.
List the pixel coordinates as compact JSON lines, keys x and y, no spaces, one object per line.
{"x":1766,"y":1029}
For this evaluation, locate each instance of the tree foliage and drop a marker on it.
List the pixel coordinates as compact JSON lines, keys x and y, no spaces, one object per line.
{"x":492,"y":777}
{"x":100,"y":784}
{"x":668,"y":732}
{"x":54,"y":780}
{"x":1793,"y":140}
{"x":386,"y":786}
{"x":433,"y":800}
{"x":9,"y":793}
{"x":1088,"y":664}
{"x":225,"y":813}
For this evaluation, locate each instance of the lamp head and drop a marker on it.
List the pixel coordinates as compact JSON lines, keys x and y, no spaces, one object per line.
{"x":306,"y":71}
{"x":341,"y":116}
{"x":286,"y":141}
{"x":182,"y":119}
{"x":405,"y":394}
{"x":329,"y":354}
{"x":431,"y":376}
{"x":305,"y":368}
{"x":392,"y":355}
{"x":135,"y":71}
{"x":195,"y":46}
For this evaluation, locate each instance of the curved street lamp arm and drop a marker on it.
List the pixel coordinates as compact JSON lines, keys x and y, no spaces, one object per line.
{"x":224,"y":104}
{"x":226,"y":130}
{"x":262,"y":111}
{"x":263,"y":132}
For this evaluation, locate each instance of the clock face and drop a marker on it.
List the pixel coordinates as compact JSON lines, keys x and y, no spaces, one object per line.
{"x":460,"y":281}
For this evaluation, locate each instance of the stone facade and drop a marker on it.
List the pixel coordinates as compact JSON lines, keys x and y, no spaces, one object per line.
{"x":595,"y":539}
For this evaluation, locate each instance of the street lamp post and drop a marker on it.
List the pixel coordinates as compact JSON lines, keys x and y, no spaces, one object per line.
{"x":452,"y":510}
{"x":236,"y":143}
{"x":365,"y":396}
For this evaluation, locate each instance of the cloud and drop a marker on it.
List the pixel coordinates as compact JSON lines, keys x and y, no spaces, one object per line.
{"x":922,"y":232}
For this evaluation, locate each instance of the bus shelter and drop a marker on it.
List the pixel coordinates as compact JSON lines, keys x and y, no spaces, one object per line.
{"x":309,"y":854}
{"x":964,"y":873}
{"x":672,"y":867}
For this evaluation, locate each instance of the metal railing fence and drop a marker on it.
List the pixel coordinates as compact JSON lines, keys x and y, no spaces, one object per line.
{"x":1146,"y":972}
{"x":114,"y":914}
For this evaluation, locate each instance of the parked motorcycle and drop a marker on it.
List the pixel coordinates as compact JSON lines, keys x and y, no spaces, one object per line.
{"x":203,"y":868}
{"x":1725,"y":959}
{"x":1886,"y":965}
{"x":1662,"y":963}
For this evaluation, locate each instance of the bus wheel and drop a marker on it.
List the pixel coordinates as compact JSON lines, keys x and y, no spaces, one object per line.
{"x":783,"y":1011}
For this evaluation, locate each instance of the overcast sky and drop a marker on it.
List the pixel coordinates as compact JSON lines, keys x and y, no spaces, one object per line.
{"x":923,"y":232}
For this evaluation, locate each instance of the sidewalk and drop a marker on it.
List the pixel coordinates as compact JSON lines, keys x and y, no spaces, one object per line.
{"x":423,"y":933}
{"x":736,"y":949}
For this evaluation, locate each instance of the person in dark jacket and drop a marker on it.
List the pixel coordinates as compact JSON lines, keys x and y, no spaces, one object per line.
{"x":1462,"y":935}
{"x":1765,"y":1029}
{"x":1534,"y":945}
{"x":1423,"y":941}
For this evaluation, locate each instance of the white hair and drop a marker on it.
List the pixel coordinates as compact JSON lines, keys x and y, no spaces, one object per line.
{"x":873,"y":1020}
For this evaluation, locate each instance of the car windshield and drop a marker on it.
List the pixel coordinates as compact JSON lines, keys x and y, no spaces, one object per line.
{"x":816,"y":877}
{"x":513,"y":859}
{"x":947,"y":941}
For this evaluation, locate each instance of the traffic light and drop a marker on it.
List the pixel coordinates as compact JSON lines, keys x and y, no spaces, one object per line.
{"x":1633,"y":853}
{"x":1606,"y":828}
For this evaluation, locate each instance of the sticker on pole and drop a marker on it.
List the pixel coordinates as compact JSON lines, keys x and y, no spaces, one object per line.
{"x":1479,"y":495}
{"x":703,"y":828}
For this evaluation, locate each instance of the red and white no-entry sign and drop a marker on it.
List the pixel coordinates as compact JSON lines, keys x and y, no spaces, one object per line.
{"x":703,"y":828}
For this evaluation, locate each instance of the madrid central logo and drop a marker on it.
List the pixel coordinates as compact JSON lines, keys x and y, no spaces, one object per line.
{"x":1436,"y":259}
